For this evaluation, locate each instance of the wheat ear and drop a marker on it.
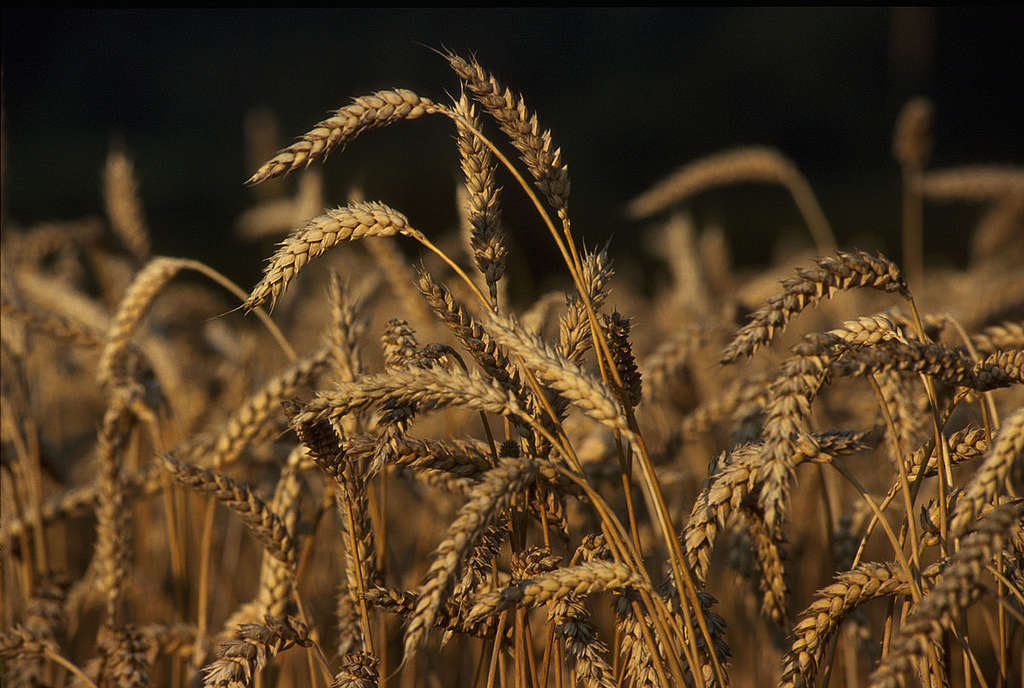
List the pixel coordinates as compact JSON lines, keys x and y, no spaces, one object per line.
{"x":956,"y":588}
{"x":1007,"y":450}
{"x":121,"y":194}
{"x":494,"y":492}
{"x":345,"y":124}
{"x":816,"y":624}
{"x":753,"y":164}
{"x":254,"y":512}
{"x":845,"y":270}
{"x":347,"y":223}
{"x":543,"y":159}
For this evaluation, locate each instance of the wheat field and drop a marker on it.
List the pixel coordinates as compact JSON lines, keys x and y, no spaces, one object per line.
{"x":367,"y":469}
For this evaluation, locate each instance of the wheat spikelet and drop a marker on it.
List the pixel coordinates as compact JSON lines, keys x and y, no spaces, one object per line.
{"x":380,"y":109}
{"x":661,"y":366}
{"x":964,"y":445}
{"x":494,"y":492}
{"x":477,"y":341}
{"x":1007,"y":450}
{"x":239,"y":661}
{"x":992,"y":240}
{"x":351,"y":222}
{"x":480,"y":562}
{"x":353,"y":508}
{"x":254,"y":512}
{"x":346,"y":328}
{"x":19,"y":642}
{"x":537,"y":150}
{"x":753,"y":164}
{"x":461,"y":458}
{"x":120,"y":192}
{"x":275,"y":216}
{"x":43,"y":622}
{"x":124,"y":662}
{"x":358,"y":670}
{"x":769,"y":559}
{"x":955,"y":589}
{"x":275,"y":578}
{"x":843,"y":271}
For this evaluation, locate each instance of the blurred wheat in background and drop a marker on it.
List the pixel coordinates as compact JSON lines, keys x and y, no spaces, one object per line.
{"x":368,"y":470}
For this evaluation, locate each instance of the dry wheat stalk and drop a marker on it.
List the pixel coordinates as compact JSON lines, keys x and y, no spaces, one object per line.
{"x":734,"y":480}
{"x":574,"y":336}
{"x":769,"y":560}
{"x":124,"y":663}
{"x":494,"y":492}
{"x":912,"y":139}
{"x":113,"y":555}
{"x":616,"y":329}
{"x":380,"y":109}
{"x":77,"y":501}
{"x":133,"y":306}
{"x":274,"y":216}
{"x":475,"y":339}
{"x":992,"y":240}
{"x":955,"y":589}
{"x":661,"y":366}
{"x":346,"y":328}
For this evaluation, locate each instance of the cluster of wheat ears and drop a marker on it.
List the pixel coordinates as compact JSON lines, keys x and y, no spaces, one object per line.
{"x":533,"y":497}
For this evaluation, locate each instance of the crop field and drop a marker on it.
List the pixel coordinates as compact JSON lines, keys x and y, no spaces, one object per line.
{"x":386,"y":462}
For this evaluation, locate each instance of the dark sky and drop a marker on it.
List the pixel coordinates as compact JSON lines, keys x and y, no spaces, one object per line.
{"x":628,"y":94}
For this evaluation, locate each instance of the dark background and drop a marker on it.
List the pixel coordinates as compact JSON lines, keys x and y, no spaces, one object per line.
{"x":629,"y":94}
